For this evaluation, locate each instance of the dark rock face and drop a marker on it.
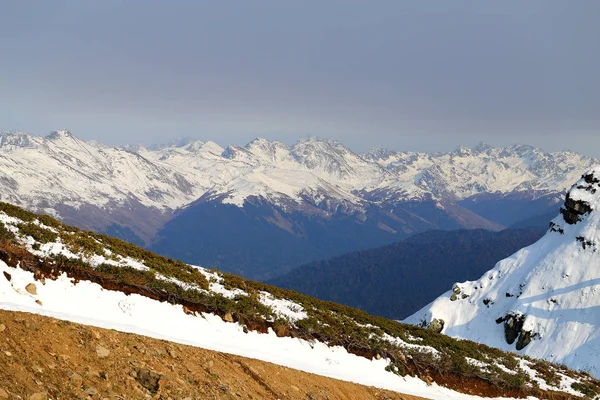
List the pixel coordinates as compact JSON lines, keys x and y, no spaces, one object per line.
{"x":585,"y":243}
{"x":524,"y":339}
{"x":513,"y":330}
{"x":513,"y":324}
{"x":591,"y":179}
{"x":574,"y":209}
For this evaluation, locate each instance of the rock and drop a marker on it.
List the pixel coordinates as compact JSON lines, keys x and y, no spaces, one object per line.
{"x":436,"y":325}
{"x":102,"y":352}
{"x":31,"y":288}
{"x":148,"y":379}
{"x":228,"y":317}
{"x":8,"y":353}
{"x":524,"y":339}
{"x":512,"y":327}
{"x":38,"y":302}
{"x":2,"y":328}
{"x":90,"y":391}
{"x":172,"y":353}
{"x":295,"y":388}
{"x":574,"y":210}
{"x":75,"y":378}
{"x":39,"y":396}
{"x":3,"y":394}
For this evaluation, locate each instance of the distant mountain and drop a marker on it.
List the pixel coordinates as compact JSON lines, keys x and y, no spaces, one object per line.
{"x":395,"y":280}
{"x":544,"y":300}
{"x":312,"y":200}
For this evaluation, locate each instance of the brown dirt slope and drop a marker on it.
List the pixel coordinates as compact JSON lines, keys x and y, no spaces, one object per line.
{"x":43,"y":357}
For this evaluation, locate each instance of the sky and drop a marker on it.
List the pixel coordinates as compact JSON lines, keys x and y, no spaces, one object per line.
{"x":409,"y":75}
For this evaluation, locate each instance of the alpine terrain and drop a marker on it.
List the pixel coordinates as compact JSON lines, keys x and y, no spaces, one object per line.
{"x":60,"y":271}
{"x":267,"y":207}
{"x":544,"y":300}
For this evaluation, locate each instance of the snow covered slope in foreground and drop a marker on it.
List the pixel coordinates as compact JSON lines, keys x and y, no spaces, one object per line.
{"x":89,"y":304}
{"x":56,"y":270}
{"x":544,"y":300}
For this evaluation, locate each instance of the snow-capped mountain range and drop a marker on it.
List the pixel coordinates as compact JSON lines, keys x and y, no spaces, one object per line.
{"x":298,"y":191}
{"x":543,"y":301}
{"x":62,"y":169}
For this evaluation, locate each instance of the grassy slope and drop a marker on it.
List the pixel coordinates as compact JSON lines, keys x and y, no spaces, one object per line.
{"x":355,"y":330}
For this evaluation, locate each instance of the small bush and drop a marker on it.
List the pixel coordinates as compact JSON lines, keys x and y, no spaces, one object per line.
{"x":5,"y":234}
{"x":38,"y":233}
{"x":588,"y":389}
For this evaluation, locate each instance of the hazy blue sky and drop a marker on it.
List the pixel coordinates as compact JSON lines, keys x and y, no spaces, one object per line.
{"x":422,"y":75}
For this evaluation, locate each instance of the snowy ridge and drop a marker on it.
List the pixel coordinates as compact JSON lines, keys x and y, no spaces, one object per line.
{"x":36,"y":250}
{"x":62,"y":169}
{"x":42,"y":172}
{"x":543,"y":301}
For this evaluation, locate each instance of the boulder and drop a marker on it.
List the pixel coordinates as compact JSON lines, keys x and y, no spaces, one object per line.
{"x":512,"y":327}
{"x":31,"y":288}
{"x":148,"y":379}
{"x":102,"y":352}
{"x":436,"y":325}
{"x":524,"y":339}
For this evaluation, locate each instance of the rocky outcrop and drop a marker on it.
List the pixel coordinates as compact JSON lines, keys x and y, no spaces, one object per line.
{"x":513,"y":330}
{"x":524,"y":339}
{"x":575,"y":209}
{"x":513,"y":324}
{"x":436,"y":325}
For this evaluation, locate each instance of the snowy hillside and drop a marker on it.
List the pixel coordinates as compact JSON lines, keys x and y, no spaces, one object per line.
{"x":56,"y":270}
{"x":543,"y":301}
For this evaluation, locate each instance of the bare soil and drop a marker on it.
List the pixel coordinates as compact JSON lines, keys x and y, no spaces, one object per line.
{"x":42,"y":357}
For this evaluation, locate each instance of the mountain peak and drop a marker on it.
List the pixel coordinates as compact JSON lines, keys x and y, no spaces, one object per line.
{"x":327,"y":155}
{"x":15,"y":139}
{"x":59,"y":134}
{"x":378,"y":153}
{"x":177,"y":142}
{"x":463,"y":151}
{"x":270,"y":151}
{"x":482,"y":147}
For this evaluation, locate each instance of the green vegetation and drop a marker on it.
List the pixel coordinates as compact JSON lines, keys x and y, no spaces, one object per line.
{"x":5,"y":234}
{"x":17,"y":212}
{"x":38,"y":233}
{"x":589,"y":389}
